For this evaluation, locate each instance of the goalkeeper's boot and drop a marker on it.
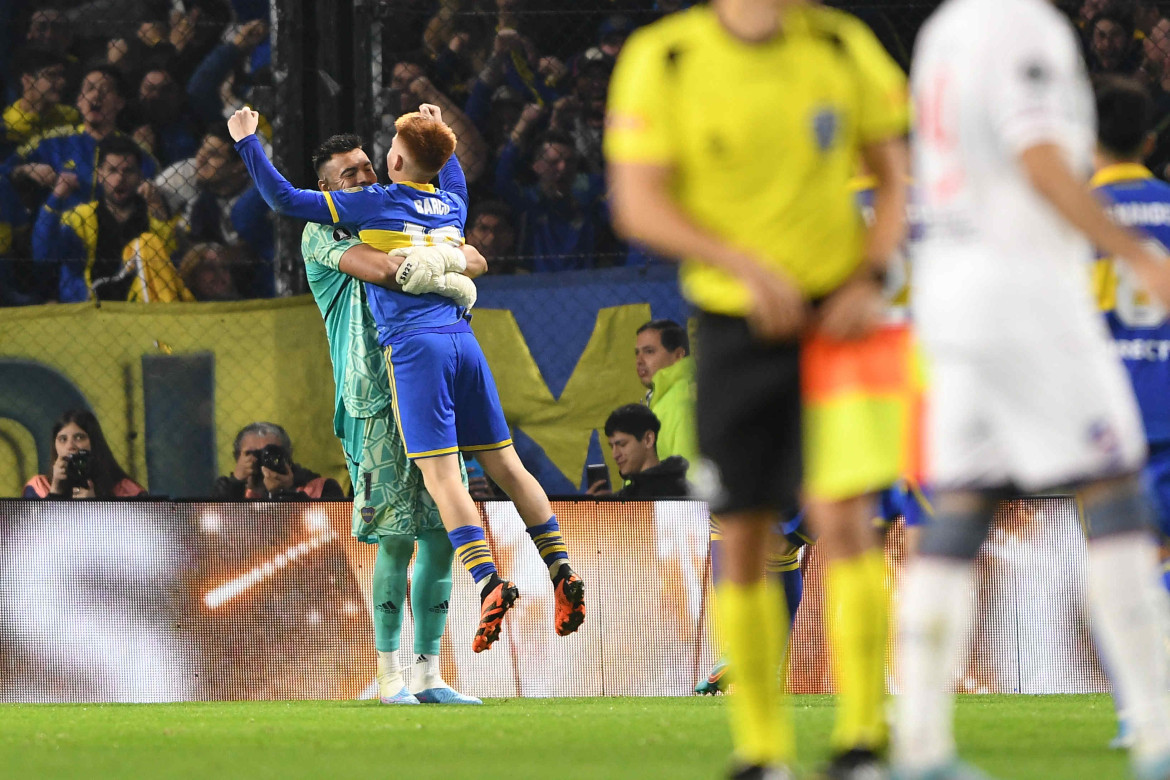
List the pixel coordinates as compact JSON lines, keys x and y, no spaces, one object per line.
{"x":569,"y":590}
{"x":716,"y":681}
{"x":428,"y":685}
{"x":498,"y":597}
{"x":952,"y":770}
{"x":1125,"y":738}
{"x":392,"y":687}
{"x":444,"y":694}
{"x":1154,"y":768}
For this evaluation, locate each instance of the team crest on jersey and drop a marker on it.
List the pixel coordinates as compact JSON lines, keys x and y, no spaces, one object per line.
{"x":1105,"y":440}
{"x":825,"y":125}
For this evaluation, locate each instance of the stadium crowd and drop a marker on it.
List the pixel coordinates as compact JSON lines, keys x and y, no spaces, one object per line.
{"x":117,"y":180}
{"x":180,"y":221}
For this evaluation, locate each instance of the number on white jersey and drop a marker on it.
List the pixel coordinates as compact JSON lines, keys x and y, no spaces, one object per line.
{"x":420,"y":236}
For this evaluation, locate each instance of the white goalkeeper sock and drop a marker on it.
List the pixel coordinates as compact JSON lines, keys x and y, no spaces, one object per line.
{"x":425,"y":673}
{"x":389,"y":672}
{"x":1125,"y":599}
{"x":934,"y":628}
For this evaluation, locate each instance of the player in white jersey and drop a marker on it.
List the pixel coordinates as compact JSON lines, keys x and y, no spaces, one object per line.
{"x":1025,"y":394}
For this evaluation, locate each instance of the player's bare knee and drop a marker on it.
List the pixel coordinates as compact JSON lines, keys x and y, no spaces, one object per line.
{"x":440,"y":467}
{"x":1115,"y":507}
{"x":504,"y":467}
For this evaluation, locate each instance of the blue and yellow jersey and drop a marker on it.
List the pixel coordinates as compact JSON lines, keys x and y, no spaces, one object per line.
{"x":385,"y":217}
{"x":400,"y":215}
{"x":70,"y":237}
{"x":905,"y":499}
{"x":1138,"y":323}
{"x":18,"y":126}
{"x":789,"y":536}
{"x":71,"y":149}
{"x":397,"y":216}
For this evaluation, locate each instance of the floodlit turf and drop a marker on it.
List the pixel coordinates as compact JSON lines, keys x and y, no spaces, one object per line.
{"x":1010,"y":736}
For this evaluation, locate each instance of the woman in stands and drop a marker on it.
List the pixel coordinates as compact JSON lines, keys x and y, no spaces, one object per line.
{"x":82,"y":465}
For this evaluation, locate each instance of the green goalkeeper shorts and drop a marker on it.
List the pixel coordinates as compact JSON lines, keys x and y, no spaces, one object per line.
{"x":388,"y":493}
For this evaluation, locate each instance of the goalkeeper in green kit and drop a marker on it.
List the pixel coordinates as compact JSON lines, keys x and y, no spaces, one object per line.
{"x":391,"y":506}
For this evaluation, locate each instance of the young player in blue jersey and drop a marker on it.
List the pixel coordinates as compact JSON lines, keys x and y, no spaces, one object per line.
{"x":444,"y":397}
{"x":1138,"y":324}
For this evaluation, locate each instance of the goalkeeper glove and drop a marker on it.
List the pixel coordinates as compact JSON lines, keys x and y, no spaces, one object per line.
{"x":425,"y":270}
{"x":453,"y":259}
{"x":458,"y":288}
{"x":423,"y":265}
{"x":417,"y":271}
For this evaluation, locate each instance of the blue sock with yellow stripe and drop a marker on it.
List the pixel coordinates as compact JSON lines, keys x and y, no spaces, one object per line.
{"x":550,"y":544}
{"x":471,"y":549}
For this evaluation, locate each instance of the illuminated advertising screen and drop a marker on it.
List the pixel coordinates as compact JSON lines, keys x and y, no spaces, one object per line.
{"x":160,"y":601}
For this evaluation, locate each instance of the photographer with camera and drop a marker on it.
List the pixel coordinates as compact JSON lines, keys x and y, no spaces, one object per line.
{"x":82,"y":464}
{"x":265,"y":470}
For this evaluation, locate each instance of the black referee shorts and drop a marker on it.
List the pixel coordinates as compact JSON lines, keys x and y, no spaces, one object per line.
{"x":749,"y":417}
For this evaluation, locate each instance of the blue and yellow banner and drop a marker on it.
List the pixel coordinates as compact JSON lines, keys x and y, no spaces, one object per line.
{"x":173,"y":383}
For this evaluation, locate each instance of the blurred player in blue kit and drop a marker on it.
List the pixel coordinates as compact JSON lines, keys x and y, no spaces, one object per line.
{"x":1137,"y":323}
{"x":904,"y":499}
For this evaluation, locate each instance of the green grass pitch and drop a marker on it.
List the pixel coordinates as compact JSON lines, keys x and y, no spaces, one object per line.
{"x":1013,"y":737}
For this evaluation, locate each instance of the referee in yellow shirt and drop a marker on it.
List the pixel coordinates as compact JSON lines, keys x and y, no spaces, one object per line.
{"x":733,"y":131}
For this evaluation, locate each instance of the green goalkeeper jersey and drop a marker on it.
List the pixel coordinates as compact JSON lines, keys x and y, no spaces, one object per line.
{"x":359,"y":370}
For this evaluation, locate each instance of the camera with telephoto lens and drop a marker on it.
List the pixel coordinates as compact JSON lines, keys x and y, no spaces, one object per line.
{"x":274,"y":458}
{"x":77,"y":469}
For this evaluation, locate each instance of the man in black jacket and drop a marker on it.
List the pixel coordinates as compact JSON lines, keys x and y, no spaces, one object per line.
{"x":265,"y":470}
{"x":632,"y":431}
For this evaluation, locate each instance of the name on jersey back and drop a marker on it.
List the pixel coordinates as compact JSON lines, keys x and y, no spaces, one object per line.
{"x":1138,"y":213}
{"x":432,"y":207}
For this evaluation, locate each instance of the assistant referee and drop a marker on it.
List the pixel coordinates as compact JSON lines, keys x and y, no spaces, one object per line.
{"x":733,"y":131}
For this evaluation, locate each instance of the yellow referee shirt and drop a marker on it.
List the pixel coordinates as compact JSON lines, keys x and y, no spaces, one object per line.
{"x":762,"y":138}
